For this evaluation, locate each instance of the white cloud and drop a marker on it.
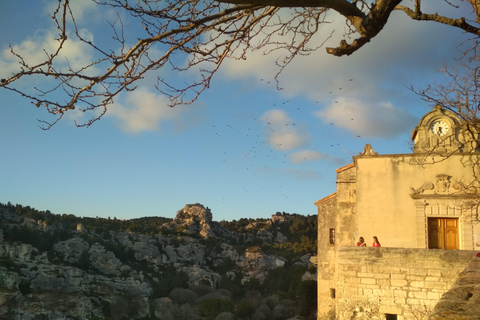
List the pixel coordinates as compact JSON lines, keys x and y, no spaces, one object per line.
{"x":35,"y":50}
{"x":283,"y":133}
{"x":144,"y":111}
{"x":82,"y":9}
{"x":42,"y":42}
{"x":367,"y":119}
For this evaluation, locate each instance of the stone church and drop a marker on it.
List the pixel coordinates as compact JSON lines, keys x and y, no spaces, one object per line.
{"x":423,"y":207}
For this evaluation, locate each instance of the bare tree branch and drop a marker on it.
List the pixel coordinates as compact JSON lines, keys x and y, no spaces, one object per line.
{"x":460,"y":23}
{"x":459,"y":93}
{"x":204,"y":33}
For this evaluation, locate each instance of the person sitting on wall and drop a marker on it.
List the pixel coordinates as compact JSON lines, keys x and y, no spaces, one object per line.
{"x":361,"y":242}
{"x":375,"y":242}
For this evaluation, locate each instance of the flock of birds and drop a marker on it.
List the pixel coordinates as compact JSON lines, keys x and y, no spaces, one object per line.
{"x":260,"y":156}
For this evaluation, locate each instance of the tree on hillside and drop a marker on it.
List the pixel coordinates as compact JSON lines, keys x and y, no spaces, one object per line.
{"x":203,"y":33}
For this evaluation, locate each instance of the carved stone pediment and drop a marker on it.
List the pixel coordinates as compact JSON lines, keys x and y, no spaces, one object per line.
{"x":443,"y":184}
{"x":368,"y":151}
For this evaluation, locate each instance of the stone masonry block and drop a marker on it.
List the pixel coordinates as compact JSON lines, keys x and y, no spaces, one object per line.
{"x":372,"y":286}
{"x":367,"y":281}
{"x":383,"y":282}
{"x":350,"y":292}
{"x":404,"y":270}
{"x":419,"y":271}
{"x":420,"y":295}
{"x":389,"y":270}
{"x":398,"y":283}
{"x":387,"y":301}
{"x":414,"y":278}
{"x":387,"y":293}
{"x":417,"y":284}
{"x":381,"y":293}
{"x":349,"y":273}
{"x":450,"y":273}
{"x":352,"y":267}
{"x":435,"y":285}
{"x":433,"y":279}
{"x":366,"y":268}
{"x":392,"y":309}
{"x":433,"y":296}
{"x":365,"y":275}
{"x":400,"y":293}
{"x":368,"y":292}
{"x":352,"y":280}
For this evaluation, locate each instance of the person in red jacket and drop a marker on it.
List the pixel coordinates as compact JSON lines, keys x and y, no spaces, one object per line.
{"x":361,"y":242}
{"x":375,"y":242}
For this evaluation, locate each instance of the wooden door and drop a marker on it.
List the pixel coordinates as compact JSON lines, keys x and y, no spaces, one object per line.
{"x":443,"y":233}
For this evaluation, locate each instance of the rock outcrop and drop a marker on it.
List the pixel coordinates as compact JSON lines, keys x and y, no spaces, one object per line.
{"x":195,"y":219}
{"x":257,"y":263}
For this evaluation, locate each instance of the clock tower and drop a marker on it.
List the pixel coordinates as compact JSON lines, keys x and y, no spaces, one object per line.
{"x":441,"y":131}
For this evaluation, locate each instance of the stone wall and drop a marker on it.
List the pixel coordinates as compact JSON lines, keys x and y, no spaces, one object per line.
{"x":336,"y":213}
{"x":403,"y":282}
{"x":325,"y":259}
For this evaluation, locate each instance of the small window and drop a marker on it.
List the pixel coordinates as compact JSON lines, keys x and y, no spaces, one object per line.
{"x":391,"y":316}
{"x":332,"y":293}
{"x":332,"y":236}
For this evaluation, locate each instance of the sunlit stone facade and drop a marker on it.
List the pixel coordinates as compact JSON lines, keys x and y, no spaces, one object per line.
{"x":426,"y":201}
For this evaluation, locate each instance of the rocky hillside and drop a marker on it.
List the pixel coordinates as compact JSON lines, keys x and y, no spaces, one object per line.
{"x":191,"y":267}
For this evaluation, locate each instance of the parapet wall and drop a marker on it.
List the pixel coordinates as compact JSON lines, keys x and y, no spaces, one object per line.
{"x":394,"y":283}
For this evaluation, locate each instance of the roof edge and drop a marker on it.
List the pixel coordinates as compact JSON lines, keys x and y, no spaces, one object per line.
{"x":348,"y":166}
{"x":333,"y":195}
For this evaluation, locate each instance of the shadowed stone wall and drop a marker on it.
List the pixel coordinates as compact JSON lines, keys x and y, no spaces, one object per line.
{"x":462,"y":301}
{"x":407,"y":282}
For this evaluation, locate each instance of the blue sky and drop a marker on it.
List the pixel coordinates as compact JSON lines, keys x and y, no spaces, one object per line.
{"x":244,"y":149}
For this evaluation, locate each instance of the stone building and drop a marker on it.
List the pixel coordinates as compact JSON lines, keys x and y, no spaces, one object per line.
{"x":424,"y":209}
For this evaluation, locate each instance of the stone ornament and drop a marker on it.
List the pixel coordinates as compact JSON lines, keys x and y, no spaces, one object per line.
{"x":444,"y":185}
{"x":368,"y":151}
{"x":423,"y":188}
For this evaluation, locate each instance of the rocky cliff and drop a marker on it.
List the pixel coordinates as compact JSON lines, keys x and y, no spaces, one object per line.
{"x":48,"y":271}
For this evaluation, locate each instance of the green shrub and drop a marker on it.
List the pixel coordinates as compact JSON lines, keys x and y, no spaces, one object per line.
{"x":244,"y":308}
{"x":211,"y":307}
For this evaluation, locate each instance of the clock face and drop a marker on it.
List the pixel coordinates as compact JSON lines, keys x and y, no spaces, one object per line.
{"x":440,"y":128}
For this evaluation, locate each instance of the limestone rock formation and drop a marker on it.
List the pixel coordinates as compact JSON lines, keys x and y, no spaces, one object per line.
{"x":71,"y":249}
{"x":104,"y":261}
{"x":196,"y":219}
{"x":35,"y":287}
{"x":50,"y":272}
{"x":257,"y":263}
